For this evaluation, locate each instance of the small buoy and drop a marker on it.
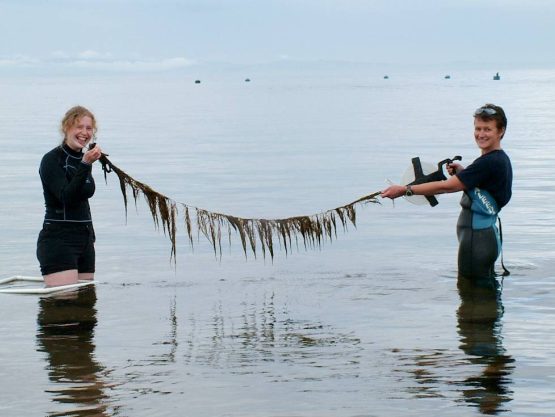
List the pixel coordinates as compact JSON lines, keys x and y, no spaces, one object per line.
{"x":447,"y":77}
{"x":386,"y":77}
{"x":197,"y":81}
{"x":247,"y":80}
{"x":497,"y":76}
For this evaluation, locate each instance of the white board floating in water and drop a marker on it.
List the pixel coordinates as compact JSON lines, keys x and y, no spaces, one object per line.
{"x":20,"y":285}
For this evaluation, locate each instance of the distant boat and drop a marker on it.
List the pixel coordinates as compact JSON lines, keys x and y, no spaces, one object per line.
{"x":447,"y":77}
{"x":247,"y":80}
{"x":497,"y":76}
{"x":386,"y":77}
{"x":197,"y":81}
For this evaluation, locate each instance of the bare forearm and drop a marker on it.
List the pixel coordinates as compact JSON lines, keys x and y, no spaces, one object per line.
{"x":451,"y":185}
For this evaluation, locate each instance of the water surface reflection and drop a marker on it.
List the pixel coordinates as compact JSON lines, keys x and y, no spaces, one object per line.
{"x":480,"y":371}
{"x":265,"y":339}
{"x":66,"y":324}
{"x":479,"y":327}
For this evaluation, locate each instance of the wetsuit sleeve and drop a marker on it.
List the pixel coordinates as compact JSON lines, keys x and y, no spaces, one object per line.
{"x":66,"y":191}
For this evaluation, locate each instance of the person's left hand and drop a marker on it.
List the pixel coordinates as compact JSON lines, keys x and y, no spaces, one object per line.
{"x":92,"y":155}
{"x":454,"y":168}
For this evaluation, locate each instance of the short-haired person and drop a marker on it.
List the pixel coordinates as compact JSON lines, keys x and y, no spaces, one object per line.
{"x":487,"y":186}
{"x":65,"y":246}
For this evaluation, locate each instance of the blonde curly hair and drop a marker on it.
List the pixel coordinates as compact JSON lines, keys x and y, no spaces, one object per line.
{"x":73,"y":115}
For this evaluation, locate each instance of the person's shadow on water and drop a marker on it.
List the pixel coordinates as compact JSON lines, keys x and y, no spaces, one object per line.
{"x":479,"y":327}
{"x":65,"y":332}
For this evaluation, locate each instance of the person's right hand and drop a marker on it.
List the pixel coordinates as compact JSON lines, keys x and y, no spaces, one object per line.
{"x":393,"y":191}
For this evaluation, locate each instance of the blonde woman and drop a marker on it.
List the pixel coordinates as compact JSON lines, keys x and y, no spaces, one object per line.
{"x":65,"y":247}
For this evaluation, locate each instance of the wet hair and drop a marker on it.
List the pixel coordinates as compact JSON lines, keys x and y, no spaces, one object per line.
{"x":73,"y":115}
{"x":498,"y":116}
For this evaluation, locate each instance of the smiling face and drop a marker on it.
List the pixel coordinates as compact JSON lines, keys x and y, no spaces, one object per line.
{"x":79,"y":133}
{"x":487,"y":135}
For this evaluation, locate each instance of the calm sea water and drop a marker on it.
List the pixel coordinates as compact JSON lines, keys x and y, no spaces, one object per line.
{"x":373,"y":324}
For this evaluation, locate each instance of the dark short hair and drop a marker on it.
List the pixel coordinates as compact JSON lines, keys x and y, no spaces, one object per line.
{"x":498,"y":115}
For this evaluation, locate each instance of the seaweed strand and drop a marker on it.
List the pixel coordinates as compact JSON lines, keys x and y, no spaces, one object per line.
{"x":313,"y":229}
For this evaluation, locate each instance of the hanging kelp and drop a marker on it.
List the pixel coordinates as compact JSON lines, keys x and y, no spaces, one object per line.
{"x":313,"y":229}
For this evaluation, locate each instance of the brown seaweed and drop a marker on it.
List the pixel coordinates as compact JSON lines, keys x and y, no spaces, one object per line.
{"x":314,"y":229}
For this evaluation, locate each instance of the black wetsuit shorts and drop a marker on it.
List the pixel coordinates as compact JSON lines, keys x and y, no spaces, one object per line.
{"x":66,"y":246}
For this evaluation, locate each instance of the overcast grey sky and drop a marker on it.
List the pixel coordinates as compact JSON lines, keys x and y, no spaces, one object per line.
{"x":151,"y":35}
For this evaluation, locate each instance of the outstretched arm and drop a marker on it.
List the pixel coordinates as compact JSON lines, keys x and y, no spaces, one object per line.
{"x":450,"y":185}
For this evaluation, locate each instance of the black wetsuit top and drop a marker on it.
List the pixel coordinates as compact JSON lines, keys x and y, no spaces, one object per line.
{"x":493,"y":173}
{"x":67,"y":184}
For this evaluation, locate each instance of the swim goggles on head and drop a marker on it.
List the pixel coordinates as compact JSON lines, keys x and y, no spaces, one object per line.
{"x":485,"y":111}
